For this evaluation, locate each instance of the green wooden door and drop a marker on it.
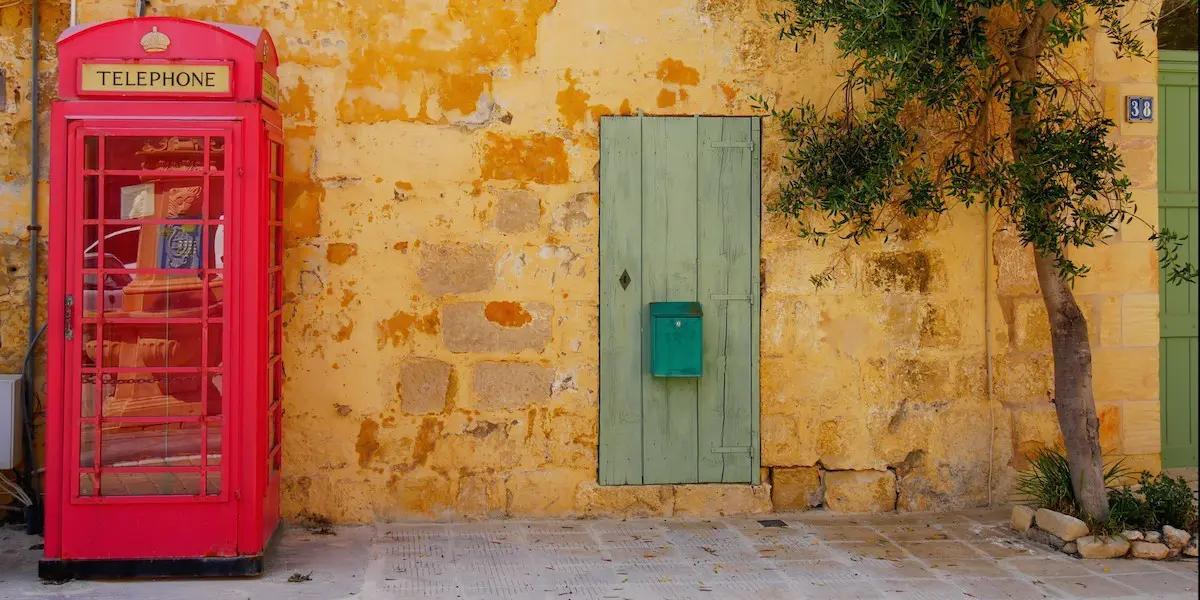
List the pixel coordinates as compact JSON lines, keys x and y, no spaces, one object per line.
{"x":679,"y":222}
{"x":1179,"y":391}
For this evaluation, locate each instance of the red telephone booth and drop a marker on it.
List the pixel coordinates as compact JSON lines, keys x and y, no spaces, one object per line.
{"x":163,"y":415}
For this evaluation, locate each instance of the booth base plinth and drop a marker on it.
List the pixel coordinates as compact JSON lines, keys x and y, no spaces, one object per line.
{"x":234,"y":566}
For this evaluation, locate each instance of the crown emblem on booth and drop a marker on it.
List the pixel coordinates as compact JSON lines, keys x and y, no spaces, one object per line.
{"x":155,"y":41}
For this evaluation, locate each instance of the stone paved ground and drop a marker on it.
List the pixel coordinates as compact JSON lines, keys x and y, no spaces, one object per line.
{"x":952,"y":556}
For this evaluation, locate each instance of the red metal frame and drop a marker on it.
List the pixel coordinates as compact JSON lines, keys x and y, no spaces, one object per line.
{"x":239,"y":519}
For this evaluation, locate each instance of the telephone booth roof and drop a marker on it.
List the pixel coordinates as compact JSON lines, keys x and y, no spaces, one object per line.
{"x":249,"y":51}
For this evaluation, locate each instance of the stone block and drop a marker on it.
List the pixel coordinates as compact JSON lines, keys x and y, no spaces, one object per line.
{"x":1153,"y":537}
{"x":1105,"y":321}
{"x":1070,"y":548}
{"x":1133,"y":535}
{"x":424,"y":385}
{"x":510,"y":385}
{"x":781,"y":444}
{"x":1033,"y":428}
{"x":1015,"y":272}
{"x":1109,"y":67}
{"x":796,"y":488}
{"x":1031,"y":327}
{"x":1114,"y":95}
{"x":1139,"y":320}
{"x":1022,"y":517}
{"x":415,"y":495}
{"x":1136,"y":463}
{"x":479,"y":496}
{"x":457,"y":268}
{"x":1146,"y":200}
{"x":860,"y":491}
{"x":544,"y":493}
{"x":1091,"y":546}
{"x":1065,"y":527}
{"x":1021,"y":378}
{"x":721,"y":499}
{"x":577,"y":213}
{"x":496,"y":326}
{"x":1149,"y":550}
{"x":912,"y":271}
{"x":1125,"y":374}
{"x":1141,"y":430}
{"x":496,"y":445}
{"x":624,"y":501}
{"x":1175,"y":539}
{"x":1129,"y":267}
{"x":1110,"y":428}
{"x":517,"y":211}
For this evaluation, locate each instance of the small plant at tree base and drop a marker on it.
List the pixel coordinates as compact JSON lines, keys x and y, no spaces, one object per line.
{"x":1169,"y":500}
{"x":1127,"y":510}
{"x":964,"y":102}
{"x":1047,"y":482}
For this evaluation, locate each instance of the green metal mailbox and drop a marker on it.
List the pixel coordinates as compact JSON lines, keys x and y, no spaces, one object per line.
{"x":676,"y":334}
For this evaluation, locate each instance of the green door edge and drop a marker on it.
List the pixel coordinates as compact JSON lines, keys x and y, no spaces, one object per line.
{"x":1172,"y":65}
{"x":756,"y":293}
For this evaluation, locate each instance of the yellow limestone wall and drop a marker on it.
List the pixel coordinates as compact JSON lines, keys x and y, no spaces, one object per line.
{"x":442,"y":300}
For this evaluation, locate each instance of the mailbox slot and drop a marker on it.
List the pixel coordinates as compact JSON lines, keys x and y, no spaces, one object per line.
{"x":676,"y":339}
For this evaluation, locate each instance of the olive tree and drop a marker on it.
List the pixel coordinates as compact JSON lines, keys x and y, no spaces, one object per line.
{"x":959,"y":102}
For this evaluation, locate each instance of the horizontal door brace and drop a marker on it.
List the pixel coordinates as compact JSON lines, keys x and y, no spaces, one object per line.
{"x":739,"y":297}
{"x":731,"y":449}
{"x":746,"y":145}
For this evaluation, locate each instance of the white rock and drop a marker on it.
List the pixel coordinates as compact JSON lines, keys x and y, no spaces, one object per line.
{"x":1153,"y":537}
{"x":1065,"y":527}
{"x":1133,"y":535}
{"x":1149,"y":550}
{"x":1022,"y":517}
{"x":1071,"y":548}
{"x":1191,"y":550}
{"x":1176,"y":539}
{"x":1091,"y":546}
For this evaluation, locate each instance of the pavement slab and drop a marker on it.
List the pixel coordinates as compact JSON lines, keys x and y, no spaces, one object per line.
{"x":958,"y":556}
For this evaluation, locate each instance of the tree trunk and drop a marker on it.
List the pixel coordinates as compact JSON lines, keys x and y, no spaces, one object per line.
{"x":1073,"y":389}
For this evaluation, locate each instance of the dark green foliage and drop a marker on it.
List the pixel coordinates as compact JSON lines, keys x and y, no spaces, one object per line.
{"x":1178,"y":25}
{"x":1157,"y":500}
{"x":958,"y":102}
{"x":1047,"y":482}
{"x":1127,"y":510}
{"x":1169,"y":500}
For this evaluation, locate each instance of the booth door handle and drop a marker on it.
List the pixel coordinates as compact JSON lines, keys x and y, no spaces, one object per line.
{"x":68,"y":316}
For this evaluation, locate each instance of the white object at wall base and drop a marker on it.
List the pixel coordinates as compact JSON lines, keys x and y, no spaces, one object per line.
{"x":11,"y":423}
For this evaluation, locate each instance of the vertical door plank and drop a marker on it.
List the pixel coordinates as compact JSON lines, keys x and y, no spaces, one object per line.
{"x":669,"y":275}
{"x":725,"y":204}
{"x":1174,"y":172}
{"x":620,"y":308}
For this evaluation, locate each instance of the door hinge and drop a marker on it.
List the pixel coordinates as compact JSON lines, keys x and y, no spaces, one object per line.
{"x":237,"y":494}
{"x":731,"y":449}
{"x":69,"y":317}
{"x":744,"y":145}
